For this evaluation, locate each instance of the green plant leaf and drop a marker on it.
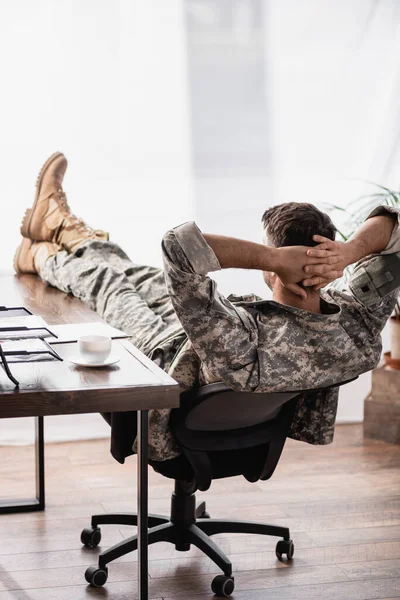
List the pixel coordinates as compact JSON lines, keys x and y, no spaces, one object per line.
{"x":388,"y":191}
{"x":330,"y":206}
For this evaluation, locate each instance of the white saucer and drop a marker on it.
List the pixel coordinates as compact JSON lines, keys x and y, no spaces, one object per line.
{"x":78,"y":360}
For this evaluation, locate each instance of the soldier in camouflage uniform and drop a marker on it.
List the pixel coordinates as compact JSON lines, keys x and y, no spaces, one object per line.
{"x":177,"y":317}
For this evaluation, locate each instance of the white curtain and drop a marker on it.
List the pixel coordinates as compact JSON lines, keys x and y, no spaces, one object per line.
{"x":333,"y":85}
{"x":105,"y":82}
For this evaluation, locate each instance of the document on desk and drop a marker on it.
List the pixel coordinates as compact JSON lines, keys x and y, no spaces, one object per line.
{"x":13,"y":311}
{"x":24,"y":327}
{"x":22,"y":321}
{"x":71,"y":332}
{"x":17,"y":351}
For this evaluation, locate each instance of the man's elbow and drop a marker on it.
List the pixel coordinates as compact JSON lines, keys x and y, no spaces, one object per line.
{"x":244,"y":379}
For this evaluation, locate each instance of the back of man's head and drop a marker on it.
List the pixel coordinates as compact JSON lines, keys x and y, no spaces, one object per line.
{"x":294,"y":224}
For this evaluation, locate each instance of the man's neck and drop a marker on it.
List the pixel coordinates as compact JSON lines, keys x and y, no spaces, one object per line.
{"x":284,"y":296}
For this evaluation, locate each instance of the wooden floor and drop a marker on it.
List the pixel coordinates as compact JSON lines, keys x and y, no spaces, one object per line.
{"x":341,"y":502}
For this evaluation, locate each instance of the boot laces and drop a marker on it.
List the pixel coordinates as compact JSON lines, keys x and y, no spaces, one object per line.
{"x":65,"y":209}
{"x":73,"y":220}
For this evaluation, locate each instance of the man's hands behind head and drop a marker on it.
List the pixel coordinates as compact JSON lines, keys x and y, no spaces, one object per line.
{"x":318,"y":265}
{"x":317,"y":277}
{"x":371,"y":237}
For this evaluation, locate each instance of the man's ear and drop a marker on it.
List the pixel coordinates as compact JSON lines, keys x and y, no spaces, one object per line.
{"x":270,"y":279}
{"x":273,"y":277}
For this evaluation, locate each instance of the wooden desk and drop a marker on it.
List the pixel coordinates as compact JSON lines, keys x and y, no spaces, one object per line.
{"x":57,"y":388}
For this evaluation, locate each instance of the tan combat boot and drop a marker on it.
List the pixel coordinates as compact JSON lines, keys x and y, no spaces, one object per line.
{"x":30,"y":256}
{"x":50,"y":218}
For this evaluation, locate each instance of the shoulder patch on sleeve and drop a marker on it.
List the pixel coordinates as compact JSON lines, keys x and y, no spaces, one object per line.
{"x":377,"y":279}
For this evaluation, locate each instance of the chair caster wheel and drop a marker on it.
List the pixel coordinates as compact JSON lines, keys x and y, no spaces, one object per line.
{"x":204,"y":515}
{"x":223,"y":586}
{"x":91,"y":537}
{"x":284,"y":547}
{"x":96,"y":577}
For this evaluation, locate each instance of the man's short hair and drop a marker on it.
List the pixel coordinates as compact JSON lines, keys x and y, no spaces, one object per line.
{"x":294,"y":224}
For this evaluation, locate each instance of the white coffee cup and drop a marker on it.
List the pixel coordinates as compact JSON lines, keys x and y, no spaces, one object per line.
{"x":94,"y":348}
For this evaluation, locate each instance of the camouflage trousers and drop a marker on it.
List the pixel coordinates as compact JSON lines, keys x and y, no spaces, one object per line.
{"x":128,"y":296}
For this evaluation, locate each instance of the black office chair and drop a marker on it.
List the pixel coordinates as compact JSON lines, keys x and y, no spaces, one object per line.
{"x":221,"y":433}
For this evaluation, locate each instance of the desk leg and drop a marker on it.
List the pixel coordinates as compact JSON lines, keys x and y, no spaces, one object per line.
{"x":38,"y":503}
{"x":39,"y":459}
{"x":142,"y":503}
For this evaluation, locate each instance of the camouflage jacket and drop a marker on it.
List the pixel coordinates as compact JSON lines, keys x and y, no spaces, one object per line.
{"x":264,"y":346}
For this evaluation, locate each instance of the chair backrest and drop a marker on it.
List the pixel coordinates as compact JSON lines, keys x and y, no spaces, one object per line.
{"x":214,"y":419}
{"x":223,"y":409}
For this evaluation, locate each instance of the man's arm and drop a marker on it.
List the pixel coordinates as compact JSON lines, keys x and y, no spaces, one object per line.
{"x":379,"y":234}
{"x":224,"y":336}
{"x":372,"y":237}
{"x":375,"y":279}
{"x":288,"y":263}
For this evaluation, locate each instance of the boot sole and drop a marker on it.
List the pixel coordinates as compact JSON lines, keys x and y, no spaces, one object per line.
{"x":15,"y":260}
{"x":26,"y":222}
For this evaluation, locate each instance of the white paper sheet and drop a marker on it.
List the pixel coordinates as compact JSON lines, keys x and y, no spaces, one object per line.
{"x":71,"y":332}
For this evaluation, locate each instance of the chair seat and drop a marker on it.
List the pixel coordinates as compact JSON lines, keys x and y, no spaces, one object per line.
{"x":248,"y":462}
